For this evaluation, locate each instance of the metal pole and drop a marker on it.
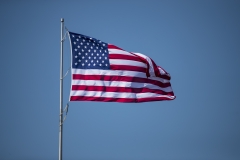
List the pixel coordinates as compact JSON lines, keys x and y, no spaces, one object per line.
{"x":61,"y":93}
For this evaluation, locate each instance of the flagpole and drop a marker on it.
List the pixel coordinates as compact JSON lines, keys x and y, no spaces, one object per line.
{"x":61,"y":93}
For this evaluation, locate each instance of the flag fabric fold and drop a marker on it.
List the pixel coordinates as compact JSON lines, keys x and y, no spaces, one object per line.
{"x":105,"y":72}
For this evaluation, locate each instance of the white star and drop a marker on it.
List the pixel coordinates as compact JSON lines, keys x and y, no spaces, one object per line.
{"x":94,"y":64}
{"x":86,"y":54}
{"x":83,"y":57}
{"x":103,"y":44}
{"x":82,"y":64}
{"x":91,"y":47}
{"x":105,"y":51}
{"x":79,"y":36}
{"x":100,"y":50}
{"x":72,"y":35}
{"x":92,"y":61}
{"x":74,"y":42}
{"x":82,"y":50}
{"x":103,"y":54}
{"x":100,"y":57}
{"x":89,"y":64}
{"x":78,"y":46}
{"x":92,"y":54}
{"x":93,"y":44}
{"x":76,"y":56}
{"x":94,"y":50}
{"x":89,"y":57}
{"x":75,"y":63}
{"x":83,"y":40}
{"x":86,"y":60}
{"x":79,"y":60}
{"x":97,"y":54}
{"x":89,"y":50}
{"x":100,"y":64}
{"x":79,"y":53}
{"x":81,"y":43}
{"x":96,"y":47}
{"x":100,"y":42}
{"x":105,"y":57}
{"x":85,"y":46}
{"x":94,"y":57}
{"x":102,"y":61}
{"x":97,"y":61}
{"x":87,"y":43}
{"x":106,"y":65}
{"x":75,"y":49}
{"x":77,"y":39}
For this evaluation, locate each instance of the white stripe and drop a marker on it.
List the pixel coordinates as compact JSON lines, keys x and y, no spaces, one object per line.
{"x":120,"y":84}
{"x":117,"y":94}
{"x":151,"y":95}
{"x":127,"y":62}
{"x":108,"y":72}
{"x":159,"y":79}
{"x":103,"y":94}
{"x":116,"y":73}
{"x":117,"y":51}
{"x":151,"y":68}
{"x":162,"y":72}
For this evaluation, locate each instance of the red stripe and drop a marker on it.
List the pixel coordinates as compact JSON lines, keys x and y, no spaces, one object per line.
{"x":157,"y":72}
{"x":144,"y":61}
{"x":126,"y":100}
{"x":125,"y":57}
{"x":111,"y":46}
{"x":166,"y":75}
{"x":120,"y":89}
{"x":120,"y":79}
{"x":127,"y":68}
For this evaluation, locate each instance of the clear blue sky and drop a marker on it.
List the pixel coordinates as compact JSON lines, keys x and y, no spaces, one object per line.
{"x":197,"y":42}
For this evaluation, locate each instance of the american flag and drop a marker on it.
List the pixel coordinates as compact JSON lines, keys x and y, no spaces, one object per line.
{"x":105,"y":72}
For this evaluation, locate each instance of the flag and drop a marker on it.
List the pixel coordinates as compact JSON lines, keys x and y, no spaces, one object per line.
{"x":105,"y":72}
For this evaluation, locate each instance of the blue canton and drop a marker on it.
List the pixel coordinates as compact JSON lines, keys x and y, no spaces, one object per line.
{"x":88,"y":52}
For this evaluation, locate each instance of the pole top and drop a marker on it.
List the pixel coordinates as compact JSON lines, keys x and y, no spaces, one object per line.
{"x":62,"y":19}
